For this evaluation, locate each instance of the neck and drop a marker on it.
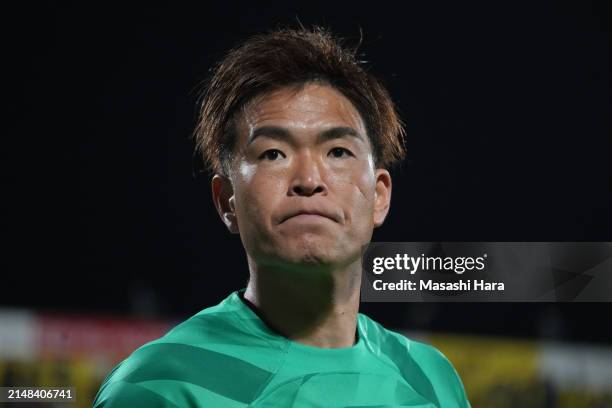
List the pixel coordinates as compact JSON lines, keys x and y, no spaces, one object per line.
{"x":313,"y":306}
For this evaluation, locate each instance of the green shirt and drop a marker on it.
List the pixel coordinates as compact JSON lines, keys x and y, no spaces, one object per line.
{"x":225,"y":356}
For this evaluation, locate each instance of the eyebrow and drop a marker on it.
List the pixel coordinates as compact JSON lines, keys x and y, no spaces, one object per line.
{"x":280,"y":133}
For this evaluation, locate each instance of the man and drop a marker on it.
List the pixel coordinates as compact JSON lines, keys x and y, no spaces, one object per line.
{"x":299,"y":137}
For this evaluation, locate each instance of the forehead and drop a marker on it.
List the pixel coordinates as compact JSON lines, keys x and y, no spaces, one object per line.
{"x":310,"y":106}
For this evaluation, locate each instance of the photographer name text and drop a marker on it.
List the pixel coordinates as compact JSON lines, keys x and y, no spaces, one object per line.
{"x":431,"y":285}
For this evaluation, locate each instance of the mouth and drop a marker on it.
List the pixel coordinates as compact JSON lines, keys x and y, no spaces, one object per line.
{"x":310,"y":215}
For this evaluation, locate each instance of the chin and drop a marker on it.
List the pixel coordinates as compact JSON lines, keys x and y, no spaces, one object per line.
{"x":312,"y":251}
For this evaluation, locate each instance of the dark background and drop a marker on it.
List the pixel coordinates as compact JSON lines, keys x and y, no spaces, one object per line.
{"x":507,"y":109}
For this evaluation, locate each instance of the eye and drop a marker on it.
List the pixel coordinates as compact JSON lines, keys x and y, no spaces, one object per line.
{"x":339,"y":152}
{"x":271,"y":154}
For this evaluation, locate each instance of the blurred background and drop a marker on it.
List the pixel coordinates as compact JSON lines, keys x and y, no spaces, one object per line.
{"x":113,"y":237}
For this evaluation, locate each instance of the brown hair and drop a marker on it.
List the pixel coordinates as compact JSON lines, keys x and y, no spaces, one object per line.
{"x":290,"y":57}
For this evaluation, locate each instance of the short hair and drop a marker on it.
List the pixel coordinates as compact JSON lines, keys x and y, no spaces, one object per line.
{"x":292,"y":57}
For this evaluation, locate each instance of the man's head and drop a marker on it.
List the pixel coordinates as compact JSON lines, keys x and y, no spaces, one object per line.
{"x":299,"y":136}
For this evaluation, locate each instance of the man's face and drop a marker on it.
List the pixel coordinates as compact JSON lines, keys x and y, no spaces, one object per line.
{"x":305,"y":190}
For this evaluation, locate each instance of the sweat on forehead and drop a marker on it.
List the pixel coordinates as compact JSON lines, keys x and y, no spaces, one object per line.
{"x":311,"y":106}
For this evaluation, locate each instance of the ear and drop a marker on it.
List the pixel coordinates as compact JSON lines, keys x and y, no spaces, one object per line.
{"x":382,"y":197}
{"x":223,"y":197}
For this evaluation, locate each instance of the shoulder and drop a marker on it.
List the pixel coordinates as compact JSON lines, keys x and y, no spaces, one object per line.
{"x":198,"y":360}
{"x":146,"y":375}
{"x":423,"y":366}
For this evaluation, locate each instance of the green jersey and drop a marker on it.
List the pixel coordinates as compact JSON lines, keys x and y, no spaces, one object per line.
{"x":226,"y":356}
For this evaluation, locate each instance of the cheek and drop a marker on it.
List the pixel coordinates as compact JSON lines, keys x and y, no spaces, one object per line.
{"x":365,"y":185}
{"x":256,"y":195}
{"x":358,"y":193}
{"x":364,"y":193}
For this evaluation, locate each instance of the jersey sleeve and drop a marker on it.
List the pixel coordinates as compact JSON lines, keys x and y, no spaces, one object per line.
{"x":445,"y":380}
{"x":179,"y":375}
{"x":122,"y":394}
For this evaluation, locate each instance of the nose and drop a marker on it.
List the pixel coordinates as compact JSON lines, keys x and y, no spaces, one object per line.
{"x":307,"y":180}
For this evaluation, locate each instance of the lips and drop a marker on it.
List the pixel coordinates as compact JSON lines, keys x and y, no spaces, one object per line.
{"x":311,"y":211}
